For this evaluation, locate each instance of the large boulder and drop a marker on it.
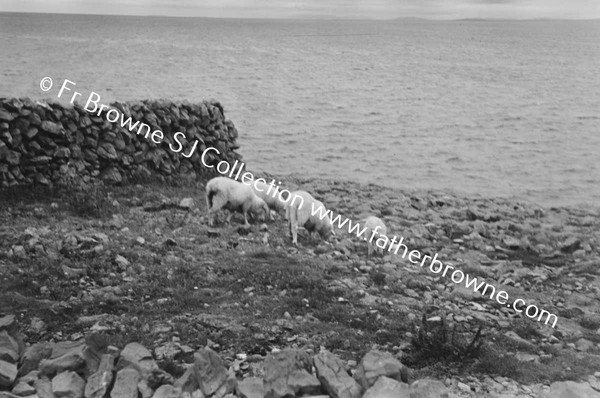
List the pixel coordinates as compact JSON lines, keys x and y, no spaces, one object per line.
{"x":287,"y":373}
{"x":211,"y":375}
{"x":43,"y":388}
{"x":570,"y":389}
{"x":98,"y":383}
{"x":136,"y":356}
{"x":167,"y":391}
{"x":126,"y":384}
{"x":187,"y":382}
{"x":334,"y":377}
{"x":251,"y":387}
{"x":9,"y":347}
{"x":7,"y":322}
{"x":68,"y":385}
{"x":8,"y":373}
{"x":385,"y":387}
{"x":378,"y":363}
{"x":33,"y":356}
{"x":428,"y":388}
{"x":75,"y":356}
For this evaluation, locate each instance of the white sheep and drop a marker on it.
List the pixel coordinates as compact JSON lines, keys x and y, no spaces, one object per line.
{"x":270,"y":195}
{"x":375,"y":227}
{"x":299,"y":213}
{"x":225,"y":193}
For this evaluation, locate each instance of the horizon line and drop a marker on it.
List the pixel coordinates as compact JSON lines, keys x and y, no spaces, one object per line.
{"x":308,"y":18}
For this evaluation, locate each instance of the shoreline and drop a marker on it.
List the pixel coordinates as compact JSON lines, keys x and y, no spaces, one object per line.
{"x":297,"y":179}
{"x":229,"y":283}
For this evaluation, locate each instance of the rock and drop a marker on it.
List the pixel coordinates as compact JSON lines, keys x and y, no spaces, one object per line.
{"x":519,"y":340}
{"x":50,"y":127}
{"x":98,"y":383}
{"x":68,"y":385}
{"x":210,"y":373}
{"x":139,"y":358}
{"x":126,"y":384}
{"x":286,"y":374}
{"x":594,"y":382}
{"x":9,"y":348}
{"x":43,"y":388}
{"x":23,"y":389}
{"x":570,"y":245}
{"x":6,"y":394}
{"x":37,"y":325}
{"x":116,"y":221}
{"x":511,"y":242}
{"x":111,"y":175}
{"x":385,"y":387}
{"x":334,"y":378}
{"x":33,"y":355}
{"x":8,"y":373}
{"x":7,"y":322}
{"x":8,"y":354}
{"x":70,"y":355}
{"x":525,"y":357}
{"x":30,"y":377}
{"x":377,"y":363}
{"x":570,"y":389}
{"x":428,"y":388}
{"x":167,"y":391}
{"x":169,"y":350}
{"x":122,"y":262}
{"x":144,"y":389}
{"x":251,"y":387}
{"x":186,"y":203}
{"x":584,"y":345}
{"x":6,"y":116}
{"x":107,"y":151}
{"x":187,"y":382}
{"x":303,"y":382}
{"x":463,"y":387}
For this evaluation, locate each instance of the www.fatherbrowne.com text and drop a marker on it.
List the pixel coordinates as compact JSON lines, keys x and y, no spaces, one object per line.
{"x":393,"y":245}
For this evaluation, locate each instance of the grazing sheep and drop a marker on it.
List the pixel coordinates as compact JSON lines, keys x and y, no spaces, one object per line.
{"x":299,"y":214}
{"x":225,"y":193}
{"x":375,"y":228}
{"x":271,"y":197}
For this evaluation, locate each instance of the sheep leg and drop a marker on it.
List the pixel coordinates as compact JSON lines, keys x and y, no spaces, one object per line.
{"x":210,"y":222}
{"x":295,"y":235}
{"x":245,"y":209}
{"x":287,"y":219}
{"x":294,"y":226}
{"x":369,"y":249}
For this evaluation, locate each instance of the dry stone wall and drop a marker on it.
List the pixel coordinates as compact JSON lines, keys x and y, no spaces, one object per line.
{"x":49,"y":143}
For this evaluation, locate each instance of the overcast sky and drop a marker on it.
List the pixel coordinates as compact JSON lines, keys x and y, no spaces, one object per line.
{"x":378,"y":9}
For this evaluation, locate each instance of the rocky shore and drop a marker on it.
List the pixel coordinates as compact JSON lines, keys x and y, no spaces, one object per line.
{"x":129,"y":293}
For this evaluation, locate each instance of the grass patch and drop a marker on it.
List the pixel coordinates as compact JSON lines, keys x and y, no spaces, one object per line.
{"x":89,"y":200}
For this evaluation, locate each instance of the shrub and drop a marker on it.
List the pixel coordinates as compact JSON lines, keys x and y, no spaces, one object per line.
{"x":88,"y":200}
{"x":434,"y":341}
